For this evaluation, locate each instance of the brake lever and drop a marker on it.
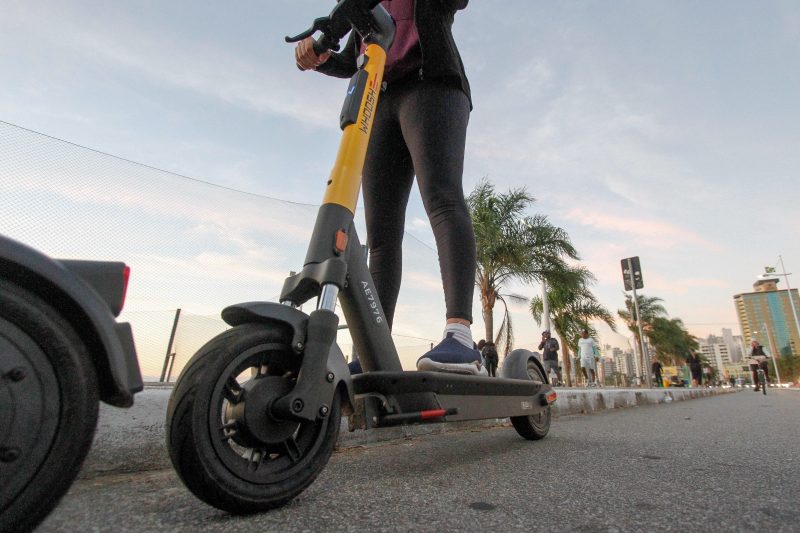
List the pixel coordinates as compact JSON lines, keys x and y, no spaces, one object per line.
{"x":320,"y":24}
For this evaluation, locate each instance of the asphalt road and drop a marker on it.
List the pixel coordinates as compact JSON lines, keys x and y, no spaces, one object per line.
{"x":715,"y":464}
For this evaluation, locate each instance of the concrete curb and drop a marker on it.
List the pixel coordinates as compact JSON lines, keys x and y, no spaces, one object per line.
{"x":132,"y":440}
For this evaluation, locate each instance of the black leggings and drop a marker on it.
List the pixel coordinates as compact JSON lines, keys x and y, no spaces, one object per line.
{"x":420,"y":128}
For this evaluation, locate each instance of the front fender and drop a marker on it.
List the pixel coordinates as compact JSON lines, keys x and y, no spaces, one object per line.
{"x":297,"y":321}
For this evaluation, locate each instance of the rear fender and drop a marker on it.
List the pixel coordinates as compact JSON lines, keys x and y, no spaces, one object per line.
{"x":109,"y":342}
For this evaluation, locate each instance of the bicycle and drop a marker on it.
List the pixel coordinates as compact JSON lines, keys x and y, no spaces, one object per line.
{"x":762,"y":380}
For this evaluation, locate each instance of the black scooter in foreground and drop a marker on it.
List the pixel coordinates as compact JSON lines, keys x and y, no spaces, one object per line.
{"x":255,"y":414}
{"x":61,"y":352}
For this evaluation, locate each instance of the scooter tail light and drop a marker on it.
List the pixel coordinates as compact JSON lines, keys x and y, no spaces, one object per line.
{"x":126,"y":275}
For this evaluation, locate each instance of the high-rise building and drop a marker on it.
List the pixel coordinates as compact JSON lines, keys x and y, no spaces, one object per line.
{"x":734,"y":345}
{"x":716,"y":352}
{"x":623,"y":362}
{"x":766,"y":315}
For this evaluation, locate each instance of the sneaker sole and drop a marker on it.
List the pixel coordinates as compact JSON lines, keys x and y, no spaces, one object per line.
{"x":470,"y":369}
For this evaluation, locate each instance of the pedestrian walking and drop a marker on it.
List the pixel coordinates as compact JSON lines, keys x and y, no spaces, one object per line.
{"x":550,"y":347}
{"x":586,"y":349}
{"x":695,"y":368}
{"x":657,"y":368}
{"x":490,"y":358}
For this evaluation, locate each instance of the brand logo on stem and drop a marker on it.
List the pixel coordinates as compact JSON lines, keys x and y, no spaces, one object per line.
{"x":369,"y":108}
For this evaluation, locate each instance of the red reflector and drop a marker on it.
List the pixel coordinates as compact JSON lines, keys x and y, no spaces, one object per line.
{"x":432,"y":413}
{"x":341,"y":241}
{"x":126,"y":274}
{"x":552,"y":397}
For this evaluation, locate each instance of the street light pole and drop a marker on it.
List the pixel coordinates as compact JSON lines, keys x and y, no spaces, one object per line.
{"x":644,"y":360}
{"x":545,"y":306}
{"x":772,"y":349}
{"x":791,"y":299}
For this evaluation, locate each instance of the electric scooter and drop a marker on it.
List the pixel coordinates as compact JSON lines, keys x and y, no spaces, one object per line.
{"x":255,"y":414}
{"x":61,"y":353}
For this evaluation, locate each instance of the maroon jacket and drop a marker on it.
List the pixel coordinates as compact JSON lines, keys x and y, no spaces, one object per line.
{"x":440,"y":57}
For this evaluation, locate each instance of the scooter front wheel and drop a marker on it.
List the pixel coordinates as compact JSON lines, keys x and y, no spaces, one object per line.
{"x":533,"y":427}
{"x":223,"y":442}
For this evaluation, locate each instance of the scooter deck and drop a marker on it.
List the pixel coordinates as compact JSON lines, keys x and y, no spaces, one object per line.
{"x":448,"y":397}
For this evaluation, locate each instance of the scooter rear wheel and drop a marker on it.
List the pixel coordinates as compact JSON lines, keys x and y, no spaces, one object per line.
{"x":48,"y":407}
{"x":224,"y":443}
{"x":533,"y":427}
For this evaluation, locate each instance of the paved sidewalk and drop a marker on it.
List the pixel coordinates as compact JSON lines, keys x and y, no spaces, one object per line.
{"x":132,"y":440}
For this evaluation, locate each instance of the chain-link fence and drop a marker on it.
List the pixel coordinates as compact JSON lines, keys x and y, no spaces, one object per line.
{"x":191,"y":245}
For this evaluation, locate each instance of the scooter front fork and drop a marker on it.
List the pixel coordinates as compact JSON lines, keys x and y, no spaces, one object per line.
{"x":311,"y":396}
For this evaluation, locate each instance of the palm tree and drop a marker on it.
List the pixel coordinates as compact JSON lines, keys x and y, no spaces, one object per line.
{"x":511,"y":246}
{"x":670,"y":339}
{"x":650,"y":308}
{"x":572,"y":306}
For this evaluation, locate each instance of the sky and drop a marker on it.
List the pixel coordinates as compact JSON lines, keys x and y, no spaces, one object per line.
{"x":664,"y":130}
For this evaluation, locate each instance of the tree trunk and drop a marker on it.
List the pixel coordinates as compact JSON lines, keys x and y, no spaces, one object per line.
{"x":488,"y":321}
{"x":488,"y":300}
{"x":565,"y":370}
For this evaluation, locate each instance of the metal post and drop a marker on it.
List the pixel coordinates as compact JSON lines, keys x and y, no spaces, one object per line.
{"x":791,"y":300}
{"x":772,"y":349}
{"x":545,"y":306}
{"x":643,"y":350}
{"x":171,"y":362}
{"x":169,"y":345}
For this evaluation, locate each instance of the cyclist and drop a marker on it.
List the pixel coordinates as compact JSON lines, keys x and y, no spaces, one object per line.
{"x":419,"y":130}
{"x":758,"y":359}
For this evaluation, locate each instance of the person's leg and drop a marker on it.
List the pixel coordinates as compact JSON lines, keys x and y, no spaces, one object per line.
{"x":387,"y":178}
{"x":754,"y":370}
{"x":548,"y":367}
{"x":434,"y":119}
{"x":765,"y":368}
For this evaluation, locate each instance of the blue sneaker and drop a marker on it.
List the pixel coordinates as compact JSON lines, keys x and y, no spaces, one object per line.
{"x":355,"y":367}
{"x":452,"y":356}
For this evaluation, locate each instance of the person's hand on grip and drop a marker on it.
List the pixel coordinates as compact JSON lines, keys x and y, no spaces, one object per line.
{"x":306,"y":58}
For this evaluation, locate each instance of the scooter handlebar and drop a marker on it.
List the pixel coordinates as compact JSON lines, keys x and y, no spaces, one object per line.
{"x":345,"y":15}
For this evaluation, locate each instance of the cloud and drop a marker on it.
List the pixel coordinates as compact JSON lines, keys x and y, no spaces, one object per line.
{"x":420,"y":223}
{"x":653,"y":233}
{"x":110,"y":38}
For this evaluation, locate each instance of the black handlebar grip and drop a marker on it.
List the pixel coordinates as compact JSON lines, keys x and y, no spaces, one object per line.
{"x":321,"y":45}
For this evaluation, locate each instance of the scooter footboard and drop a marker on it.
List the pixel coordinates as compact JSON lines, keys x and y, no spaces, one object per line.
{"x":457,"y":397}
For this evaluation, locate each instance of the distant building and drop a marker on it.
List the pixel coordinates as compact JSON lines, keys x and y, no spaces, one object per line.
{"x":734,"y":344}
{"x":623,"y":362}
{"x":716,"y":351}
{"x":608,"y":366}
{"x":766,"y":316}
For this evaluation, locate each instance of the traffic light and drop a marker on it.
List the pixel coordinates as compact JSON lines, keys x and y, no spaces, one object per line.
{"x":632,"y":263}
